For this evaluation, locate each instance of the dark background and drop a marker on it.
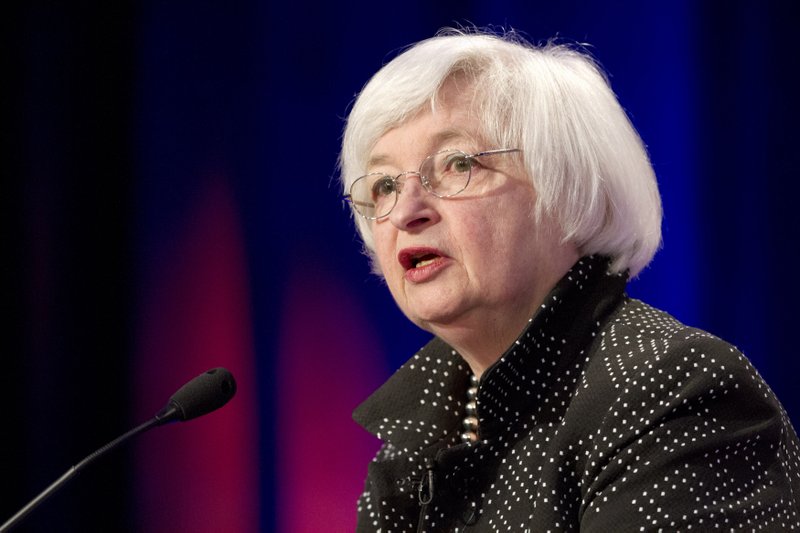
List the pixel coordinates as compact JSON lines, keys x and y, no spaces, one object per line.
{"x":132,"y":131}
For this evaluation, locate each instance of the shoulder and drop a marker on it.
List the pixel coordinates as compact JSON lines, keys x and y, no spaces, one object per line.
{"x":640,"y":340}
{"x":646,"y":357}
{"x":683,"y":415}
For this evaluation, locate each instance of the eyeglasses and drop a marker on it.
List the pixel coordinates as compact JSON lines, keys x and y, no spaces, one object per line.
{"x":443,"y":174}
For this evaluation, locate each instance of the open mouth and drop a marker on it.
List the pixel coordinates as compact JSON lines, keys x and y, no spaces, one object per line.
{"x":427,"y":259}
{"x":411,"y":258}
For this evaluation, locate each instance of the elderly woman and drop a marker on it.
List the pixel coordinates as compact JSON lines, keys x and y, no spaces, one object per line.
{"x":506,"y":199}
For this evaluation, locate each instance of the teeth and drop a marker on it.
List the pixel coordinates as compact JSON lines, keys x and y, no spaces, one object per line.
{"x":424,"y":262}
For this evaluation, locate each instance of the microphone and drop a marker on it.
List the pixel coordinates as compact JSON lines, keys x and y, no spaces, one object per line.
{"x":205,"y":393}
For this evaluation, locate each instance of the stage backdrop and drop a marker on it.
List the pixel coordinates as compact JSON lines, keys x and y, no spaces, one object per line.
{"x":170,"y":191}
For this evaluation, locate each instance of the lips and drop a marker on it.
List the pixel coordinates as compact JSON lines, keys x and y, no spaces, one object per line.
{"x":418,"y":257}
{"x":421,"y":263}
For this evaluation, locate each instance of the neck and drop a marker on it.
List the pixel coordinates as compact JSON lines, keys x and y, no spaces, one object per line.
{"x":482,"y":344}
{"x":482,"y":335}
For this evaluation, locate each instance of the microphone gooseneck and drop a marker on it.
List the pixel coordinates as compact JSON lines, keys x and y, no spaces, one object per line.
{"x":205,"y":393}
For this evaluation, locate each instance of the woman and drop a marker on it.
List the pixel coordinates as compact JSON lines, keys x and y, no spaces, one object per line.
{"x":506,"y":199}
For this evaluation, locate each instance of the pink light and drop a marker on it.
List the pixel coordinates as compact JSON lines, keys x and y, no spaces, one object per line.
{"x":201,"y":476}
{"x":329,"y":362}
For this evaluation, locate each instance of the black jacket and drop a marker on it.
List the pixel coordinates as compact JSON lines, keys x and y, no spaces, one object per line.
{"x":605,"y":415}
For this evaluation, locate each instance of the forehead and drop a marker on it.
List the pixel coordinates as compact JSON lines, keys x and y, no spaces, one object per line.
{"x":448,"y":124}
{"x":392,"y":148}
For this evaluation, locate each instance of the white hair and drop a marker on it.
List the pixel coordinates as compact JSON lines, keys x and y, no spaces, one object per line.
{"x":587,"y":163}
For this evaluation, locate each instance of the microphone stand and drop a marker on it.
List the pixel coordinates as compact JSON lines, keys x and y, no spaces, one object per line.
{"x":160,"y":418}
{"x":203,"y":394}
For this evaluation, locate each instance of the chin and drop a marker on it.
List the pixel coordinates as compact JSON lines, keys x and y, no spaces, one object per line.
{"x":429,"y":318}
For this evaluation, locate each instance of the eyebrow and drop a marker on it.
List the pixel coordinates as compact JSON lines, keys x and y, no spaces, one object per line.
{"x":438,"y":140}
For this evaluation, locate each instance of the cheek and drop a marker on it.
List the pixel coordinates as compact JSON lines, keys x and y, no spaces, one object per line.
{"x":384,"y":251}
{"x":503,"y":243}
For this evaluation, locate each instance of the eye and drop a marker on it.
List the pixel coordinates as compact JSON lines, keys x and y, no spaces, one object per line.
{"x":382,"y":187}
{"x":458,"y":163}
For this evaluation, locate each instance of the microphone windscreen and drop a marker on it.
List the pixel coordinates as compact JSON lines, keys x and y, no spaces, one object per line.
{"x":205,"y":393}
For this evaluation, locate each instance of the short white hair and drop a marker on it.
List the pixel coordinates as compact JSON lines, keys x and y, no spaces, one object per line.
{"x":587,"y":163}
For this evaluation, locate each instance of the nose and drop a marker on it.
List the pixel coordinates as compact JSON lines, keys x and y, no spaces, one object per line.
{"x":415,"y":208}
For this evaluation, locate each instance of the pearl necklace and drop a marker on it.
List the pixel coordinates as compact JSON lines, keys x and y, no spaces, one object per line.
{"x":470,"y":422}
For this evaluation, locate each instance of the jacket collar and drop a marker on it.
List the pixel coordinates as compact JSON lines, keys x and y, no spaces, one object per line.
{"x":423,"y":402}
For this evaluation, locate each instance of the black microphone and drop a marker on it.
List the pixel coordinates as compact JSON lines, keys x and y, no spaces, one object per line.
{"x":205,"y":393}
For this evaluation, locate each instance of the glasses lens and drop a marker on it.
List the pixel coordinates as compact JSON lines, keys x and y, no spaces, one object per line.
{"x":447,"y":173}
{"x":374,"y":195}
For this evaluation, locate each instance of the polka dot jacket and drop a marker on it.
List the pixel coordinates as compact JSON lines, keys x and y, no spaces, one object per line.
{"x":605,"y":415}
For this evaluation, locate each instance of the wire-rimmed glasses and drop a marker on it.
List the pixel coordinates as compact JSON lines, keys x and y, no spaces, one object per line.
{"x":443,"y":174}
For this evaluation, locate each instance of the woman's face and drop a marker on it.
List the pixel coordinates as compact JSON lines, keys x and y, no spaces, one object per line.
{"x":476,"y":260}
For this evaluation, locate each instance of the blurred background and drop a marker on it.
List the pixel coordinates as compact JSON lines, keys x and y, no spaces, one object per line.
{"x":170,"y":205}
